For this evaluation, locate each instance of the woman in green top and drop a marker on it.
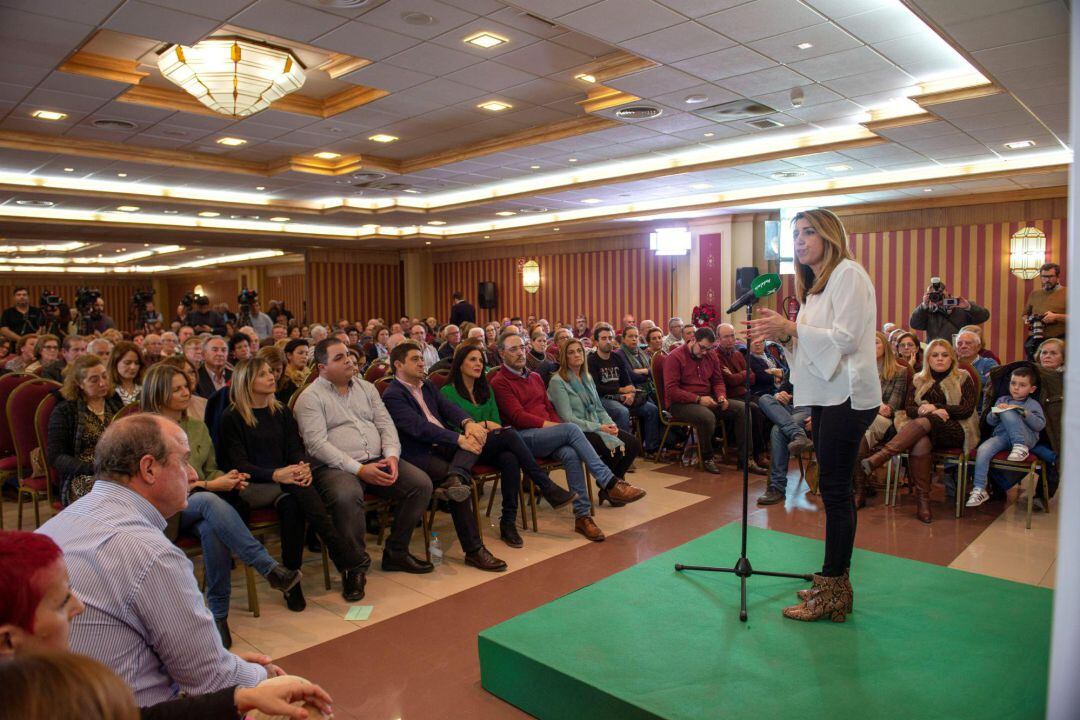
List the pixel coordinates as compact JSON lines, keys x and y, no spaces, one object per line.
{"x":208,"y":515}
{"x":468,"y":388}
{"x":574,"y":396}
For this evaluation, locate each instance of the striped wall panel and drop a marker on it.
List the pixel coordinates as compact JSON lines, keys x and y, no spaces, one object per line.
{"x":603,"y":285}
{"x":353,"y":291}
{"x":116,"y":293}
{"x":972,"y":260}
{"x":287,"y":288}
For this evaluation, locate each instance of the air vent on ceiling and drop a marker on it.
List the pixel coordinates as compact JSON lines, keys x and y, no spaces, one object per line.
{"x":531,"y":209}
{"x":414,"y":17}
{"x":539,"y":19}
{"x":734,"y":110}
{"x":638,"y":112}
{"x":35,"y":203}
{"x":343,"y":3}
{"x":111,"y":124}
{"x":362,"y":179}
{"x":764,"y":124}
{"x":788,"y":174}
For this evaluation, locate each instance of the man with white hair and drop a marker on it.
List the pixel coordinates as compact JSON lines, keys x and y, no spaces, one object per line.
{"x":152,"y":348}
{"x":318,"y":334}
{"x":170,"y":344}
{"x":100,"y":347}
{"x":674,"y":338}
{"x":968,"y":345}
{"x":452,"y":333}
{"x":418,"y":334}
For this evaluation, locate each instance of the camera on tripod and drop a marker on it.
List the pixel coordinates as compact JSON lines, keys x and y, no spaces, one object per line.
{"x":247,"y":297}
{"x":49,"y":301}
{"x":139,"y":298}
{"x":85,"y":298}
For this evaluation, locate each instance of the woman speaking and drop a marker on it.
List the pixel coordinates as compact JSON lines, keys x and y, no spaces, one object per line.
{"x":834,"y":372}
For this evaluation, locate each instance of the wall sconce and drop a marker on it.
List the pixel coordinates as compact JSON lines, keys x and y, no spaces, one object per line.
{"x":530,"y":276}
{"x":199,"y":290}
{"x":1027,"y":252}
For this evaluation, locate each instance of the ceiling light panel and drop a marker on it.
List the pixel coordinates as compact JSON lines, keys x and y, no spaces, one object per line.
{"x":486,"y":40}
{"x":382,"y":138}
{"x":494,"y":106}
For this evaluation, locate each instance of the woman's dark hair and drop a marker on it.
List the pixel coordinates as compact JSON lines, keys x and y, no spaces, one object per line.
{"x":481,"y":390}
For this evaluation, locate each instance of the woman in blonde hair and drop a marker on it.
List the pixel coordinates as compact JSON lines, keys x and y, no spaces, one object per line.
{"x":259,"y":438}
{"x":834,"y":372}
{"x":939,"y":414}
{"x":53,"y":684}
{"x":894,"y":379}
{"x":76,"y":424}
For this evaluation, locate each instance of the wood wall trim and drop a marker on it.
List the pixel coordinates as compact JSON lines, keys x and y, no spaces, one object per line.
{"x":590,"y":241}
{"x":951,"y":96}
{"x":339,"y":64}
{"x":601,"y":97}
{"x":360,"y":257}
{"x":103,"y":67}
{"x":875,"y":126}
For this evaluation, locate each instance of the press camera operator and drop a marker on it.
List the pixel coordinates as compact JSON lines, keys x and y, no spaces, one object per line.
{"x":90,"y":307}
{"x":21,"y":319}
{"x":143,"y":312}
{"x":941,"y":315}
{"x":203,"y":319}
{"x":1045,"y":310}
{"x":57,"y":315}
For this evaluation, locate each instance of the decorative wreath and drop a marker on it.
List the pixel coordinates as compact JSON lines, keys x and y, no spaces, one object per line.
{"x":704,"y":315}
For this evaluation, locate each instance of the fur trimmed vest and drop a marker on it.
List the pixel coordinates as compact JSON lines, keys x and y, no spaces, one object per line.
{"x":953,"y":388}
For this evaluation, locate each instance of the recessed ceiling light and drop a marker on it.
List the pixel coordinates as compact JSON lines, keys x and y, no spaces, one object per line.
{"x":1020,"y":144}
{"x":494,"y":106}
{"x":554,"y":229}
{"x":279,"y":219}
{"x":146,"y":244}
{"x":591,"y":201}
{"x":128,"y":208}
{"x":35,"y":203}
{"x":534,"y":167}
{"x":69,"y":169}
{"x":708,"y":134}
{"x":928,"y":189}
{"x":701,"y":186}
{"x":486,"y":40}
{"x":382,"y":138}
{"x":505,"y":213}
{"x":696,"y":99}
{"x":415,"y":17}
{"x":571,"y":159}
{"x":427,"y":242}
{"x":231,"y":141}
{"x":805,"y":45}
{"x":412,"y":191}
{"x":837,"y":168}
{"x":121,"y":174}
{"x":260,"y":187}
{"x":48,"y":115}
{"x":437,"y":222}
{"x":208,"y":213}
{"x":585,"y":77}
{"x":171,"y":212}
{"x":325,"y":155}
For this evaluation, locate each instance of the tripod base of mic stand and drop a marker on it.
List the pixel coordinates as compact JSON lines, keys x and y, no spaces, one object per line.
{"x":743,"y":570}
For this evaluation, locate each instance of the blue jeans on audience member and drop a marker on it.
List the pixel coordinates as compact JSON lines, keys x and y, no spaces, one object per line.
{"x":1011,"y":430}
{"x":221,"y":533}
{"x":646,"y":412}
{"x":620,"y":414}
{"x":783,"y":416}
{"x":779,"y":440}
{"x":568,"y":444}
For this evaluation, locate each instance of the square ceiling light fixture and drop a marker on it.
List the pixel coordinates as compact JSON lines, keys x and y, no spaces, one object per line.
{"x":486,"y":40}
{"x":325,"y":155}
{"x":48,"y":115}
{"x":494,"y":106}
{"x":670,"y":241}
{"x":382,"y":138}
{"x":231,"y":141}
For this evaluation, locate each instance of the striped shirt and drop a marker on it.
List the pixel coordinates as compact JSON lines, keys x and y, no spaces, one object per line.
{"x":145,"y":617}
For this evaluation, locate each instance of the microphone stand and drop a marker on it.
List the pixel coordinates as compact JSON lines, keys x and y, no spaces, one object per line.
{"x":742,"y":568}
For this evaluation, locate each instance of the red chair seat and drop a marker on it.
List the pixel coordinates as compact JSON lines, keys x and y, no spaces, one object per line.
{"x":1003,"y":456}
{"x":263,"y":516}
{"x":37,"y":484}
{"x":186,"y":542}
{"x":11,"y":462}
{"x":480,"y":470}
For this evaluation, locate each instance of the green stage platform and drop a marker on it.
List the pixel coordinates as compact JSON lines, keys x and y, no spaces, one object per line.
{"x":924,"y":642}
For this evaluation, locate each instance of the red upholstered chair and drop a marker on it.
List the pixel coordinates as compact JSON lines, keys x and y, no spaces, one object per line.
{"x":665,"y":417}
{"x":439,"y":378}
{"x":41,"y":427}
{"x":379,"y":368}
{"x":382,"y":383}
{"x":129,"y":409}
{"x":1033,"y":468}
{"x":954,"y":456}
{"x":9,"y":464}
{"x":22,"y":405}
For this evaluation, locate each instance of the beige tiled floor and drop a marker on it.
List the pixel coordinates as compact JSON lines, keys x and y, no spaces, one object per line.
{"x":1006,"y":549}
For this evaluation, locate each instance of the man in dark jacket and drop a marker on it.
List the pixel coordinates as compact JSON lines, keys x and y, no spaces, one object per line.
{"x":942,"y":315}
{"x":462,"y":311}
{"x":423,"y":417}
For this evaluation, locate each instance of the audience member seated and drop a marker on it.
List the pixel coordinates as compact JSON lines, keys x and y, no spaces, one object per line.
{"x":581,"y":329}
{"x":637,"y":359}
{"x":983,"y":350}
{"x":145,"y":618}
{"x":908,"y":351}
{"x":968,"y":345}
{"x":537,"y":359}
{"x":1017,"y":419}
{"x":939,"y":414}
{"x":259,"y":438}
{"x":733,"y":368}
{"x":192,"y":350}
{"x":696,"y":393}
{"x":894,"y":379}
{"x":214,"y":373}
{"x":378,"y":349}
{"x":452,"y":337}
{"x":418,"y":334}
{"x":46,"y":352}
{"x":613,"y":382}
{"x":203,"y":319}
{"x":297,"y":370}
{"x":524,"y":405}
{"x":274,"y":357}
{"x":239,"y":348}
{"x":35,"y":619}
{"x":152,"y":348}
{"x":196,"y":404}
{"x":76,"y":424}
{"x":654,"y":341}
{"x":214,"y":505}
{"x":126,"y":370}
{"x":573,"y":393}
{"x":1051,"y":355}
{"x":355,"y":448}
{"x":562,"y":335}
{"x":674,"y":338}
{"x":24,"y":354}
{"x":424,"y":418}
{"x":769,"y":377}
{"x":72,"y":347}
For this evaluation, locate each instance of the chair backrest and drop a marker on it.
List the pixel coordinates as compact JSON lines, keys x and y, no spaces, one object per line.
{"x":22,"y":405}
{"x":376,"y":370}
{"x":658,"y":379}
{"x":8,"y":383}
{"x":41,"y":427}
{"x":129,"y":409}
{"x":439,"y":378}
{"x":382,"y":383}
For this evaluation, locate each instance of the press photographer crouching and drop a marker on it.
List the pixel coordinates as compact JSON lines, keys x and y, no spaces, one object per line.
{"x":941,"y":315}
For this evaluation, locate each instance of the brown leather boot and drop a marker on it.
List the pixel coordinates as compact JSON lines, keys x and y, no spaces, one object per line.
{"x":920,"y":468}
{"x":901,"y":441}
{"x":859,"y":478}
{"x":834,"y":597}
{"x":587,"y":527}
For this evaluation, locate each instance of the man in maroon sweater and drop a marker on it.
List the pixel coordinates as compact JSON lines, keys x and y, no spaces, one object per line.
{"x":524,"y":405}
{"x":733,"y":368}
{"x":695,"y":392}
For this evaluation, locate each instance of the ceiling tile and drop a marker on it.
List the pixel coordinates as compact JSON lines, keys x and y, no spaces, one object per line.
{"x":655,"y":81}
{"x":762,"y":18}
{"x":446,"y":91}
{"x":477,"y":7}
{"x":826,"y":38}
{"x":732,"y":61}
{"x":826,"y":111}
{"x":1026,"y":23}
{"x":616,"y":20}
{"x":152,"y":21}
{"x":551,"y":9}
{"x":491,"y":76}
{"x":699,"y":8}
{"x":13,"y":93}
{"x":406,"y":104}
{"x":922,"y":131}
{"x":82,"y":85}
{"x":390,"y":16}
{"x":545,"y":91}
{"x":37,"y":41}
{"x":544,"y":58}
{"x":515,"y":37}
{"x":675,"y":122}
{"x":677,"y":99}
{"x":217,"y":9}
{"x":366,"y":41}
{"x":835,"y":9}
{"x":429,"y":55}
{"x":842,"y":64}
{"x":386,"y":77}
{"x":719,"y":132}
{"x":878,"y":81}
{"x":678,"y":42}
{"x":583,"y":44}
{"x":885,"y":23}
{"x":765,"y":81}
{"x":90,"y":12}
{"x":531,"y":24}
{"x":68,"y":102}
{"x":948,"y":12}
{"x":813,"y":95}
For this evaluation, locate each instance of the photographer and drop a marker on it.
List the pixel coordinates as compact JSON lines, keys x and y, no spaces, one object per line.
{"x":21,"y":319}
{"x":1045,"y":311}
{"x":90,"y":306}
{"x":941,"y":315}
{"x":203,"y":319}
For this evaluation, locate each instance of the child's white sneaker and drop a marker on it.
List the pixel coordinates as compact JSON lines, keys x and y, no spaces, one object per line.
{"x":977,"y":497}
{"x":1019,"y":453}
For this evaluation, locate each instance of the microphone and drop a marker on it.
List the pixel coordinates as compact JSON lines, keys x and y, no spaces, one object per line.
{"x":762,"y":286}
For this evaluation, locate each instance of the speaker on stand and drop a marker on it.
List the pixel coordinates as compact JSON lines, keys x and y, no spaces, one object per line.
{"x":485,"y":291}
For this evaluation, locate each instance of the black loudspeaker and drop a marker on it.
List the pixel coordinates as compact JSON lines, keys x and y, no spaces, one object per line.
{"x":486,"y":292}
{"x":743,"y":277}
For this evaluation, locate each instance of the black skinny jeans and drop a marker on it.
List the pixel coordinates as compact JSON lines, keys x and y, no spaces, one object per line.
{"x":837,"y":430}
{"x":506,"y":451}
{"x":619,"y":460}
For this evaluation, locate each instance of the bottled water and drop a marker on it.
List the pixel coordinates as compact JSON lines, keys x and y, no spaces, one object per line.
{"x":436,"y":549}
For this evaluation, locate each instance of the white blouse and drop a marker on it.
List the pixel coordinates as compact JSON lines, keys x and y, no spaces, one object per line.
{"x":834,"y":355}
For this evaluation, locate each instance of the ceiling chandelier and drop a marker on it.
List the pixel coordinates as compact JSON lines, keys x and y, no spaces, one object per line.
{"x":233,"y":75}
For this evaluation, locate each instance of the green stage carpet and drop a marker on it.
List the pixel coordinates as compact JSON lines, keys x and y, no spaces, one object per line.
{"x":924,"y":642}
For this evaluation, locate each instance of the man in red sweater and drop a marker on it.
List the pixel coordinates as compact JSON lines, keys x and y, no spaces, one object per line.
{"x":733,"y":368}
{"x":695,"y":392}
{"x":524,"y":405}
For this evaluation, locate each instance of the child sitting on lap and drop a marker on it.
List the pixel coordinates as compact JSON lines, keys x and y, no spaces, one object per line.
{"x":1017,"y":419}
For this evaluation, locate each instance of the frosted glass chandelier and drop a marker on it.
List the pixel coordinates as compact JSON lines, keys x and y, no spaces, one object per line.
{"x":232,"y":75}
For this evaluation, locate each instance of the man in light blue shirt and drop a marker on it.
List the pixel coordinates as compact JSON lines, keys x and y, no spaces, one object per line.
{"x":260,"y":321}
{"x":145,"y":617}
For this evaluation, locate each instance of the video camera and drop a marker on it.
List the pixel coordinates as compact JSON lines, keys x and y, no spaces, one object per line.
{"x":190,"y":299}
{"x":49,"y":300}
{"x":247,"y":297}
{"x":141,"y":297}
{"x":85,"y":298}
